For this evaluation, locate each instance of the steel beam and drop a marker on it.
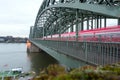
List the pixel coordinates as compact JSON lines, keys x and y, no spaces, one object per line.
{"x":77,"y":25}
{"x":82,"y":27}
{"x":92,"y":22}
{"x":97,"y":21}
{"x":105,"y":21}
{"x":100,"y":21}
{"x":52,"y":1}
{"x":49,"y":9}
{"x":119,"y":21}
{"x":61,"y":1}
{"x":71,"y":29}
{"x":87,"y":22}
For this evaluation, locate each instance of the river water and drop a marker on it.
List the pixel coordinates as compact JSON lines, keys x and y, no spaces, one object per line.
{"x":14,"y":55}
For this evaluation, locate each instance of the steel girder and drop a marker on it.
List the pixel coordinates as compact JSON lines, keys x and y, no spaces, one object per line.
{"x":56,"y":16}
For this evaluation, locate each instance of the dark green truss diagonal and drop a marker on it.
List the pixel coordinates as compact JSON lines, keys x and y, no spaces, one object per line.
{"x":59,"y":16}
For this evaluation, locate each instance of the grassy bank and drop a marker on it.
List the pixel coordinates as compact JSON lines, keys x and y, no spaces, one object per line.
{"x":57,"y":72}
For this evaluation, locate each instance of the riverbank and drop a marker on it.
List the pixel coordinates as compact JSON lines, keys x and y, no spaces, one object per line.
{"x":11,"y":39}
{"x":58,"y":72}
{"x":55,"y":72}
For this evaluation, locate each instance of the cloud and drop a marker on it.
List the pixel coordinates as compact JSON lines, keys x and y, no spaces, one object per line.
{"x":17,"y":15}
{"x":14,"y":30}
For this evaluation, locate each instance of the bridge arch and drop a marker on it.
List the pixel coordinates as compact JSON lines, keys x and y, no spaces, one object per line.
{"x":55,"y":12}
{"x":61,"y":16}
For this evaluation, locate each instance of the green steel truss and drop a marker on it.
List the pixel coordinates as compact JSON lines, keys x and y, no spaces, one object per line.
{"x":59,"y":16}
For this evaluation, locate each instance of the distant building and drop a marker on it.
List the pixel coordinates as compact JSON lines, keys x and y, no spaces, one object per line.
{"x":10,"y":39}
{"x":20,"y":40}
{"x":2,"y":39}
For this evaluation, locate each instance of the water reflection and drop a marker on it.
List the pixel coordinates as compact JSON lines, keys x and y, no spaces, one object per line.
{"x":40,"y":60}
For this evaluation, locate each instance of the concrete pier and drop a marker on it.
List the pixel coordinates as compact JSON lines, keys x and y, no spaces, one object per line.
{"x":31,"y":48}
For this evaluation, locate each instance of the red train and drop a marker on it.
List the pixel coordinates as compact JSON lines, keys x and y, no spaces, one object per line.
{"x":109,"y":34}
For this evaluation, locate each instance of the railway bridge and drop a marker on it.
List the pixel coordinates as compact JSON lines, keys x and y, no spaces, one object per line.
{"x":57,"y":18}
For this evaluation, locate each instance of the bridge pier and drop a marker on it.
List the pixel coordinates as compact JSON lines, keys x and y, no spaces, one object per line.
{"x":31,"y":48}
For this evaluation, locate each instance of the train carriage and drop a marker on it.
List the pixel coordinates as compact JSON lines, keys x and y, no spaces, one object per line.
{"x":109,"y":34}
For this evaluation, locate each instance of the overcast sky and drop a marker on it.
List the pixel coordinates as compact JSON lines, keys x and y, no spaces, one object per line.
{"x":16,"y":16}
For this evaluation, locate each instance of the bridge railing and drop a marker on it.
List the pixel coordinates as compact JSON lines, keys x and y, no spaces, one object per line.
{"x":95,"y":53}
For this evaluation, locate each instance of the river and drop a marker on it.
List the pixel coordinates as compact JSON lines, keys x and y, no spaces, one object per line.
{"x":14,"y":55}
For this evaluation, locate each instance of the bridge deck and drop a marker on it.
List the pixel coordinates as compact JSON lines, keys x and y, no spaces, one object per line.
{"x":90,"y":52}
{"x":61,"y":16}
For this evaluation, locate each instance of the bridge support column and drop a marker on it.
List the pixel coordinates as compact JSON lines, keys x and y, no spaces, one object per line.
{"x":71,"y":29}
{"x":31,"y":48}
{"x":92,"y":22}
{"x":87,"y":22}
{"x":105,"y":22}
{"x":119,"y":21}
{"x":77,"y":25}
